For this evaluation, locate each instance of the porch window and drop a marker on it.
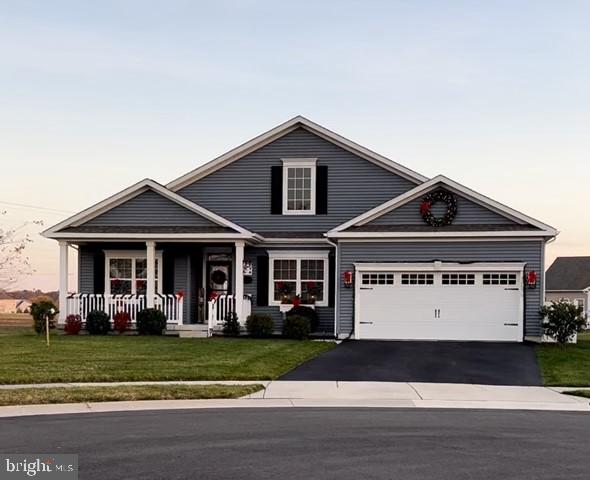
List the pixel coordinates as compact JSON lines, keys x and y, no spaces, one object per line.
{"x":299,"y":186}
{"x":298,"y":273}
{"x":126,"y":273}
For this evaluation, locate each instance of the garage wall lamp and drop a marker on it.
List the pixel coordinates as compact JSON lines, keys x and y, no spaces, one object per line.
{"x":531,"y":279}
{"x":347,"y":278}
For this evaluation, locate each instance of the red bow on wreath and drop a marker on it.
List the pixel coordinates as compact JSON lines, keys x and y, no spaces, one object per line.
{"x":425,"y":207}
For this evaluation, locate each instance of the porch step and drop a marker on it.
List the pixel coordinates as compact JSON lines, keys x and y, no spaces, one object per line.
{"x":188,"y":331}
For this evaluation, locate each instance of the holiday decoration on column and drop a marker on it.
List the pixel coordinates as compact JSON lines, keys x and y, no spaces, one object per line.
{"x":438,"y":196}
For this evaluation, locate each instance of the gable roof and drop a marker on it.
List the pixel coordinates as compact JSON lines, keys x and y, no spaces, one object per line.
{"x":540,"y":228}
{"x":281,"y":130}
{"x":69,"y":227}
{"x":568,"y":273}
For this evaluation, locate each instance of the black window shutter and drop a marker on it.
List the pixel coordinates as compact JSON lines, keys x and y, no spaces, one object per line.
{"x":332,"y":280}
{"x":99,"y":267}
{"x":321,"y":190}
{"x":276,"y":190}
{"x":262,"y":281}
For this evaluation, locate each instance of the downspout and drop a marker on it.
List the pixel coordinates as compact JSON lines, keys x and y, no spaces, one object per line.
{"x":336,"y":285}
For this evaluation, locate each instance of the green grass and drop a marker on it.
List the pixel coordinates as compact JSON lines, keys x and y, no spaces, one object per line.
{"x":579,"y":393}
{"x":24,"y":358}
{"x":37,"y":396}
{"x":568,"y":365}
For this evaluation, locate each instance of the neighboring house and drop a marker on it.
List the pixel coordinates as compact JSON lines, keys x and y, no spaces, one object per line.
{"x":380,"y":251}
{"x":14,"y":305}
{"x":568,"y":278}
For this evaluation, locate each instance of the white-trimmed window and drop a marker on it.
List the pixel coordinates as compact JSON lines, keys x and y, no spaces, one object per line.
{"x":298,"y":273}
{"x":299,"y":185}
{"x":126,"y":272}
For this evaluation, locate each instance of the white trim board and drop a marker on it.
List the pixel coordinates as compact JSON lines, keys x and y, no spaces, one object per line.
{"x":126,"y":195}
{"x":439,"y":234}
{"x":440,"y":266}
{"x":416,"y":192}
{"x":281,"y":130}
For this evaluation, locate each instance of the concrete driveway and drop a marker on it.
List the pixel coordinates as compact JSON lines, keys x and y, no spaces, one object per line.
{"x":431,"y":362}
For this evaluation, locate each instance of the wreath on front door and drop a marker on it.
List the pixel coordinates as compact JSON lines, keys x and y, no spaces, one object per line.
{"x":438,"y":196}
{"x":218,"y":277}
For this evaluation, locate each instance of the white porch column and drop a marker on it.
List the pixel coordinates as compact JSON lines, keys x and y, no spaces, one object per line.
{"x":151,"y":273}
{"x":63,"y":281}
{"x":239,"y":269}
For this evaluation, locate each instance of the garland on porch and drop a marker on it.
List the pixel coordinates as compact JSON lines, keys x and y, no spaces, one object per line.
{"x":438,"y":196}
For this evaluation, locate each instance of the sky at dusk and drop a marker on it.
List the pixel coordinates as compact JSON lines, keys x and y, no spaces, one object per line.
{"x":95,"y":96}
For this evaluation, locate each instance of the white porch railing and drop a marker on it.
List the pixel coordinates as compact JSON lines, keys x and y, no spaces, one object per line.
{"x":83,"y":303}
{"x":218,"y":309}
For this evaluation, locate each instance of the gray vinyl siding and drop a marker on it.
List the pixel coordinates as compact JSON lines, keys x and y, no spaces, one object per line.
{"x":325,"y":314}
{"x":530,"y":252}
{"x":149,"y":209}
{"x":468,"y":213}
{"x":241,"y":191}
{"x":85,"y":269}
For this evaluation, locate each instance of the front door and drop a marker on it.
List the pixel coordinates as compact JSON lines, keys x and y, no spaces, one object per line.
{"x":219,"y":275}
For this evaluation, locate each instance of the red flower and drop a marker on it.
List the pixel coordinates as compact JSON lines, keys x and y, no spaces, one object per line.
{"x":213,"y":296}
{"x":180,"y":294}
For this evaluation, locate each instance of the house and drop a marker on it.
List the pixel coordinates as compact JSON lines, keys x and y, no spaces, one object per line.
{"x":380,"y":251}
{"x":9,"y":304}
{"x":568,"y":278}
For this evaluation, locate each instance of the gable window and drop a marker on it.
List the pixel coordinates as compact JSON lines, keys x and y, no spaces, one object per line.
{"x":299,"y":183}
{"x":298,"y":273}
{"x":126,"y":273}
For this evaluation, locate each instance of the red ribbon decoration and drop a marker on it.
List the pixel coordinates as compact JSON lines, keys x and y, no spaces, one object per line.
{"x":425,"y":207}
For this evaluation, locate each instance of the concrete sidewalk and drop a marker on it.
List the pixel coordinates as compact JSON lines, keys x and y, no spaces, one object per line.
{"x":331,"y":394}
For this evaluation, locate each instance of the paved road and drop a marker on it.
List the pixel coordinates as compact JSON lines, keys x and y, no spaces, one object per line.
{"x":484,"y":363}
{"x":312,"y":444}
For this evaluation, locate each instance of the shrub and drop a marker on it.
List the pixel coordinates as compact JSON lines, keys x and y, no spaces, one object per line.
{"x":121,"y":322}
{"x":231,"y":325}
{"x":40,"y":311}
{"x":151,"y":321}
{"x":260,"y":326}
{"x":296,"y":327}
{"x":73,"y":325}
{"x":307,"y":312}
{"x":98,"y":323}
{"x":562,"y":320}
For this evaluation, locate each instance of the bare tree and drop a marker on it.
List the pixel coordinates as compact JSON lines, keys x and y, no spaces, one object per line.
{"x":14,"y":262}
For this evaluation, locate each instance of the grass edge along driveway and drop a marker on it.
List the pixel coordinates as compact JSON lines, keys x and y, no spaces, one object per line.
{"x":24,"y":358}
{"x":38,"y":396}
{"x":566,"y":366}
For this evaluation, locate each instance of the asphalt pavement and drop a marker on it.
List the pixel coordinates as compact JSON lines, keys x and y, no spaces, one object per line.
{"x":312,"y":443}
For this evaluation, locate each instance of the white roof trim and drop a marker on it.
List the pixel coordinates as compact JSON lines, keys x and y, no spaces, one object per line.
{"x":281,"y":130}
{"x":452,"y":185}
{"x":440,"y":235}
{"x":129,"y":193}
{"x":150,"y":236}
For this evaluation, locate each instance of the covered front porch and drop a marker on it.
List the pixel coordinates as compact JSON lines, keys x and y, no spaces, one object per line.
{"x":196,"y":284}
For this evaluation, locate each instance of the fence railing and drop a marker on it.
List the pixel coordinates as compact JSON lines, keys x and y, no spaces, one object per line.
{"x":218,"y":309}
{"x":83,"y":303}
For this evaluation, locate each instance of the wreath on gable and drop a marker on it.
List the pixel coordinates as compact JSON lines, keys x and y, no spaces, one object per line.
{"x":438,"y":196}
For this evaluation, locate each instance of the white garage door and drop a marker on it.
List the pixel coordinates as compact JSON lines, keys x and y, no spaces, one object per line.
{"x":439,"y":305}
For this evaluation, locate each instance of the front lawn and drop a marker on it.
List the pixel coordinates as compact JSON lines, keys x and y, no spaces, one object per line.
{"x":24,"y":358}
{"x":37,"y":396}
{"x":566,"y":366}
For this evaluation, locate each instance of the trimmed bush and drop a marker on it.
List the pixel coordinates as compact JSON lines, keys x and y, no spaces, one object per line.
{"x":296,"y":327}
{"x":121,"y":322}
{"x":40,"y":311}
{"x":231,"y":325}
{"x":307,"y":312}
{"x":260,"y":326}
{"x":562,"y":320}
{"x":151,"y":321}
{"x":98,"y":323}
{"x":73,"y":325}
